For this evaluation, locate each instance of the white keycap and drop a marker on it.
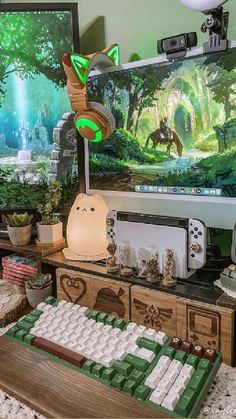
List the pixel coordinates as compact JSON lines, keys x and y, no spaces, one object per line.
{"x":150,"y":333}
{"x":132,"y":349}
{"x":41,"y":306}
{"x":187,"y":370}
{"x":84,"y":311}
{"x":131,"y":327}
{"x":115,"y":332}
{"x":124,"y":336}
{"x":170,"y":401}
{"x":124,"y":345}
{"x":141,"y":331}
{"x":113,"y":342}
{"x":183,"y":380}
{"x":134,"y":338}
{"x":177,"y":389}
{"x":160,"y":337}
{"x":107,"y":361}
{"x":157,"y":396}
{"x":164,"y":384}
{"x":146,"y":354}
{"x":98,"y":326}
{"x":152,"y":381}
{"x":165,"y":361}
{"x":91,"y":323}
{"x":104,"y":338}
{"x":107,"y":328}
{"x":120,"y":355}
{"x":171,"y":374}
{"x":176,"y":365}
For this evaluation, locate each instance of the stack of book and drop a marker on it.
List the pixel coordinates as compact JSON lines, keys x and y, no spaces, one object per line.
{"x":17,"y":268}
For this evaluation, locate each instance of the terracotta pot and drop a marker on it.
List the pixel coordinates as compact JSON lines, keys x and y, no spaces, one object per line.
{"x":49,"y":233}
{"x":19,"y":236}
{"x":35,"y":297}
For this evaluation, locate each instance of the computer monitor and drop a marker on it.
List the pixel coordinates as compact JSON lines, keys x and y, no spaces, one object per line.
{"x":174,"y":149}
{"x":33,"y":100}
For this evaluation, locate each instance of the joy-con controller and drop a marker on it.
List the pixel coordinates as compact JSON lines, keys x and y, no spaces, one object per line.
{"x":110,"y":225}
{"x":196,"y":244}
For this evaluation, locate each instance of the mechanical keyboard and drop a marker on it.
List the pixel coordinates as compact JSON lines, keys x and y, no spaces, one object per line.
{"x":169,"y":374}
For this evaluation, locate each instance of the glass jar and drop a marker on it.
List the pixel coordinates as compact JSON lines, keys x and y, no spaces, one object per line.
{"x":153,"y":271}
{"x":125,"y":258}
{"x":169,"y":278}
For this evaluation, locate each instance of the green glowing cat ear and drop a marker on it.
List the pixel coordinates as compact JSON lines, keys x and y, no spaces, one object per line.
{"x":80,"y":64}
{"x":113,"y":52}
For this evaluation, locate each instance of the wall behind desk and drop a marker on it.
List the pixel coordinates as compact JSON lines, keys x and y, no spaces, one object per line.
{"x":137,"y":25}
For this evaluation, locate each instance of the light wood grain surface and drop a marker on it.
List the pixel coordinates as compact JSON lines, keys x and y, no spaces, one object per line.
{"x":60,"y":392}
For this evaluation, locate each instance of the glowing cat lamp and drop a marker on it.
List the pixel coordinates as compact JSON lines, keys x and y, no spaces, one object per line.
{"x":86,"y":229}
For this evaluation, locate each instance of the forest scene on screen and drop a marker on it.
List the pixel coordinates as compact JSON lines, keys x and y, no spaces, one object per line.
{"x":176,"y":126}
{"x":33,"y":99}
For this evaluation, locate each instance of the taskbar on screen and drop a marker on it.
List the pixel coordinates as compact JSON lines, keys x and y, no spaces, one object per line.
{"x":178,"y":190}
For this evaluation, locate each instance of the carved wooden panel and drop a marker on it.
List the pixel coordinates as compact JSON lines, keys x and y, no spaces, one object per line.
{"x":208,"y":325}
{"x":95,"y":292}
{"x":153,"y":309}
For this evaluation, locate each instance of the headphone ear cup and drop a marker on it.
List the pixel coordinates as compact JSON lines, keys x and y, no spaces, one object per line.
{"x":102,"y":110}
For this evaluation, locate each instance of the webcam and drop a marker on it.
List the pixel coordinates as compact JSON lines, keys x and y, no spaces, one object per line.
{"x":176,"y":46}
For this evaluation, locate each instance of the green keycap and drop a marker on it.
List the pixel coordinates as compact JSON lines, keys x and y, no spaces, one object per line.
{"x":130,"y":386}
{"x":29,"y":338}
{"x":123,"y":368}
{"x":24,"y":325}
{"x":204,"y":364}
{"x":186,"y":403}
{"x":97,"y":370}
{"x":88,"y":365}
{"x":108,"y":374}
{"x":192,"y":360}
{"x":169,"y":351}
{"x":20,"y":335}
{"x":102,"y":317}
{"x":36,"y":313}
{"x":12,"y":331}
{"x":110,"y":320}
{"x":119,"y":323}
{"x":197,"y":380}
{"x":149,"y":344}
{"x":181,"y":356}
{"x":93,"y":314}
{"x":118,"y":381}
{"x":142,"y":392}
{"x":137,"y":376}
{"x":136,"y":362}
{"x":30,"y":319}
{"x":50,"y":300}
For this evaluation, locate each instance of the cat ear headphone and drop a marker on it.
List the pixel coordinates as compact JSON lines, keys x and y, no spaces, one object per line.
{"x":93,"y":120}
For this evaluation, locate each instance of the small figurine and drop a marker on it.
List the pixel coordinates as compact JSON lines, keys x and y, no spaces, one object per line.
{"x":111,"y":264}
{"x":153,"y":274}
{"x":169,"y":268}
{"x":125,"y":259}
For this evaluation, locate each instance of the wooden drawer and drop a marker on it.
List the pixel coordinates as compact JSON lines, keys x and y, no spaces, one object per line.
{"x":210,"y":326}
{"x":153,"y":309}
{"x":95,"y":292}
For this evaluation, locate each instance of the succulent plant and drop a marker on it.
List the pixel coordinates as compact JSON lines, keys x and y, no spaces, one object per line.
{"x":39,"y":281}
{"x":18,"y":220}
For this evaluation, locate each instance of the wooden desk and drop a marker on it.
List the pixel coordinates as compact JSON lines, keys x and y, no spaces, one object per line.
{"x":55,"y":390}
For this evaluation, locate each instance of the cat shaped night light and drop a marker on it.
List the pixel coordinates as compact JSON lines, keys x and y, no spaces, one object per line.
{"x":86,"y":229}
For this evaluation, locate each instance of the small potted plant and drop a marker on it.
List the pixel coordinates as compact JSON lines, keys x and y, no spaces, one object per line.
{"x":19,"y":228}
{"x":50,"y":227}
{"x":38,"y":288}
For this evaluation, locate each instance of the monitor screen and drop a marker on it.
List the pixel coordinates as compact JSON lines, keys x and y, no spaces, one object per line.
{"x":38,"y":143}
{"x":176,"y":128}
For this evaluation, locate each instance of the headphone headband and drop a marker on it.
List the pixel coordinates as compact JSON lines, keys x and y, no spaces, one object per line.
{"x":77,"y":68}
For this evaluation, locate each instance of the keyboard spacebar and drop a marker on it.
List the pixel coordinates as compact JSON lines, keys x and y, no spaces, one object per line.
{"x":59,"y":351}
